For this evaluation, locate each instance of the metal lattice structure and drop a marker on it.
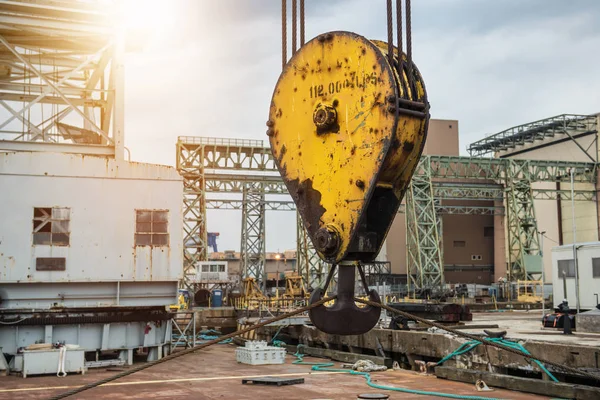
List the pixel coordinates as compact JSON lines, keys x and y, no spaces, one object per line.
{"x":191,"y":168}
{"x":569,"y":126}
{"x":61,"y":78}
{"x":309,"y":263}
{"x":507,"y":179}
{"x":253,"y":253}
{"x":524,"y":258}
{"x":425,"y":266}
{"x":231,"y":166}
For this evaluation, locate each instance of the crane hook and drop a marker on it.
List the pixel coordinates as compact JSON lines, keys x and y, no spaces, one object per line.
{"x":344,"y":317}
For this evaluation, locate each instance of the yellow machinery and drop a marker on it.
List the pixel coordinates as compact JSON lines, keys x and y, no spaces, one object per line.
{"x":183,"y":301}
{"x":251,"y":290}
{"x":347,"y":125}
{"x":530,"y":291}
{"x":294,"y":287}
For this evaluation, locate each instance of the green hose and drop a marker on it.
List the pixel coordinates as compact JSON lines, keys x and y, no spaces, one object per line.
{"x":367,"y":376}
{"x":468,"y":346}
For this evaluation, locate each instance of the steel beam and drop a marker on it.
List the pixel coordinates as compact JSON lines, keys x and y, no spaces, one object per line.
{"x":190,"y":167}
{"x":424,"y":258}
{"x":87,"y":149}
{"x":253,"y":254}
{"x":566,"y":124}
{"x":437,"y":178}
{"x":310,"y":266}
{"x":229,"y":204}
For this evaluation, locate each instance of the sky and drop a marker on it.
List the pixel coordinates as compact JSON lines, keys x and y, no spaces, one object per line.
{"x":209,"y":68}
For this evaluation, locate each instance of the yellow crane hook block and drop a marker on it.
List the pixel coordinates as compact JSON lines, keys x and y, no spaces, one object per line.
{"x":346,"y":129}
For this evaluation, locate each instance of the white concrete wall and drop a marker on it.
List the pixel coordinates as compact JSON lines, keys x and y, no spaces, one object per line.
{"x":103,"y":195}
{"x":588,"y":285}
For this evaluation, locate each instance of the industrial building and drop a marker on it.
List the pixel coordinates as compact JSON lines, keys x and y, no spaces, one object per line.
{"x":91,"y":243}
{"x":413,"y":261}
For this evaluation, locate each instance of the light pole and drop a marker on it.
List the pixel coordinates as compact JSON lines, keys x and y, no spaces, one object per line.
{"x":277,"y":257}
{"x":543,"y":280}
{"x":576,"y":264}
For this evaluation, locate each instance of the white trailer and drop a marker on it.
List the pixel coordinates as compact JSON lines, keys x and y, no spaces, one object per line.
{"x":588,"y":270}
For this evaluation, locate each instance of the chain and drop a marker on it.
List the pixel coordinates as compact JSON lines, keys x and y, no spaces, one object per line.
{"x":283,"y":33}
{"x":172,"y":356}
{"x":477,"y":338}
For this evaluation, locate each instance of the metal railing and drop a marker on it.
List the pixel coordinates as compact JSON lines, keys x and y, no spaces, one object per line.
{"x":220,"y":141}
{"x":532,"y":131}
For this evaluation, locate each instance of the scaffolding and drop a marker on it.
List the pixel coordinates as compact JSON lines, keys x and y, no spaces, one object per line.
{"x":438,"y":179}
{"x":252,"y":253}
{"x":309,"y":263}
{"x":438,"y":187}
{"x":565,"y":127}
{"x":61,"y":78}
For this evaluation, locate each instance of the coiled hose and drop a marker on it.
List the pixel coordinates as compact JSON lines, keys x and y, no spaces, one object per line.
{"x":367,"y":376}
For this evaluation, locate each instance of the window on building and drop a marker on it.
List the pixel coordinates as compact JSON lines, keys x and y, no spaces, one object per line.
{"x":51,"y":226}
{"x":205,"y":268}
{"x":488,"y":231}
{"x":596,"y":267}
{"x":566,"y":268}
{"x":151,"y":228}
{"x":459,"y":243}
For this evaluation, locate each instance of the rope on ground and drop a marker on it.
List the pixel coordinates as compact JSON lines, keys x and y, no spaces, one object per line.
{"x":188,"y":351}
{"x":316,"y":366}
{"x":470,"y":345}
{"x":497,"y":345}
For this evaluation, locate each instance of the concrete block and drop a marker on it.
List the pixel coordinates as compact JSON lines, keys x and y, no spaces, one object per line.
{"x":588,"y":321}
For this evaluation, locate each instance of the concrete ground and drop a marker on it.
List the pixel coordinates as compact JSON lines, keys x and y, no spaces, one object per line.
{"x":214,"y":374}
{"x":527,"y":325}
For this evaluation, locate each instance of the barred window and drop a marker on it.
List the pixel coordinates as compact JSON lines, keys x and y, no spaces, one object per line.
{"x":51,"y":226}
{"x":151,"y":228}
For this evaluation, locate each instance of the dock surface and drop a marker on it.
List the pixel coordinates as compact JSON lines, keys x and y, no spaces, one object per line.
{"x":215,"y":374}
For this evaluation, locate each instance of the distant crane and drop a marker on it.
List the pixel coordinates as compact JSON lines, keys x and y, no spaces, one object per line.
{"x":212,"y":240}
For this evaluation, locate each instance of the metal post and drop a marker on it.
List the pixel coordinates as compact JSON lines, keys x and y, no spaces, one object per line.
{"x":574,"y":240}
{"x":543,"y":281}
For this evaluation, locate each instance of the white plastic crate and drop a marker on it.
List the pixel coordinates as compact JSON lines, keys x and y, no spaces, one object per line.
{"x":258,"y":353}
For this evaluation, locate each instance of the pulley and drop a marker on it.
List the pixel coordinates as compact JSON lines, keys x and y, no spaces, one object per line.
{"x":346,"y":129}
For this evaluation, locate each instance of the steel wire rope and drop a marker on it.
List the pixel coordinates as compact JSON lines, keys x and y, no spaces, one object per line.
{"x":181,"y":353}
{"x":479,"y":339}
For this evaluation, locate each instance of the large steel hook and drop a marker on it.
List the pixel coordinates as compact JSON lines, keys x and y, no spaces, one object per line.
{"x":344,"y":317}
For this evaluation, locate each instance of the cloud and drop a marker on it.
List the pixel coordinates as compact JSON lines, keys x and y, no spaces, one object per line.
{"x":210,"y":69}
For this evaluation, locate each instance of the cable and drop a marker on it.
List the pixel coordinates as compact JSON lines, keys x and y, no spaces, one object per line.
{"x":301,"y":23}
{"x":399,"y":34}
{"x":477,"y":338}
{"x":468,"y":346}
{"x":294,"y":25}
{"x":283,"y":33}
{"x":188,"y":351}
{"x":14,"y":322}
{"x":325,"y":367}
{"x":409,"y":41}
{"x":390,"y":32}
